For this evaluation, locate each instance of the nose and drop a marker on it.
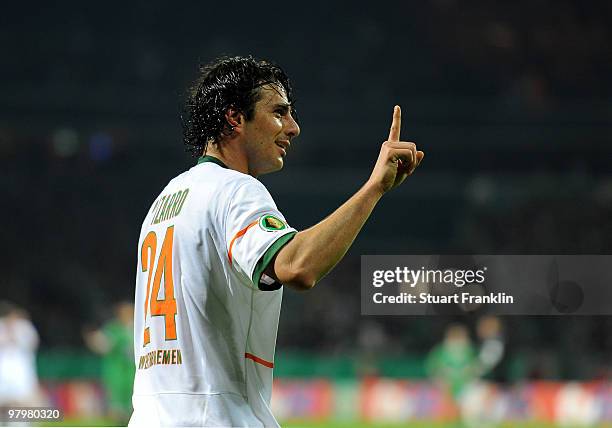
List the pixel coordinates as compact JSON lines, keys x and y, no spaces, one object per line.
{"x":293,"y":129}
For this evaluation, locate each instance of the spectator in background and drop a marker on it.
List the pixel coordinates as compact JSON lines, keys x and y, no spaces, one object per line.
{"x":18,"y":344}
{"x":115,"y":341}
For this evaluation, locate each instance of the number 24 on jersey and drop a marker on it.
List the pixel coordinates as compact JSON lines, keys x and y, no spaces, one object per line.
{"x":165,"y":307}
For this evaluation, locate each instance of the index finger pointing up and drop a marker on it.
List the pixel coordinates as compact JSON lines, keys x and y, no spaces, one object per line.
{"x":394,"y":132}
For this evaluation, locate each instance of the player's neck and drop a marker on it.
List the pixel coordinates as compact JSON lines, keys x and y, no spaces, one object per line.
{"x":232,"y":158}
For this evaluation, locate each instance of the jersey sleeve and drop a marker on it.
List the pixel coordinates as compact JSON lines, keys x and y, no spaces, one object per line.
{"x":255,"y":231}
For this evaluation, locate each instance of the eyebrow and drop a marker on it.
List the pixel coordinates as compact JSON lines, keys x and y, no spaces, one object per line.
{"x":285,"y":106}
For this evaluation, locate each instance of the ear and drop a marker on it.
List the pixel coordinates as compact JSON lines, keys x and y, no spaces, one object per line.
{"x":234,"y":118}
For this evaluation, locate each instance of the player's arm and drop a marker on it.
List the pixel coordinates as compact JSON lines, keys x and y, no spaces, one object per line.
{"x":312,"y":253}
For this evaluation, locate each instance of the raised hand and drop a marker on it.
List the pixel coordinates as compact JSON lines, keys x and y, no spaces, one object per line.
{"x":397,"y":159}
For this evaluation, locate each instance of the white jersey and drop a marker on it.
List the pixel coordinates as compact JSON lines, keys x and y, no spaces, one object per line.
{"x":18,"y":379}
{"x":206,"y":316}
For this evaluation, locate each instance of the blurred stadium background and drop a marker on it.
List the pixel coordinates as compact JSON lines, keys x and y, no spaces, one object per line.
{"x":511,"y":101}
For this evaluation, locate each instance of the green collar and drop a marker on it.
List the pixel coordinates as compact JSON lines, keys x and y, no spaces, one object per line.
{"x":211,"y":159}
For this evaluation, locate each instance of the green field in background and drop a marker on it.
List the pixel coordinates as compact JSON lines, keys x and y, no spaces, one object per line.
{"x":347,"y":424}
{"x":425,"y":424}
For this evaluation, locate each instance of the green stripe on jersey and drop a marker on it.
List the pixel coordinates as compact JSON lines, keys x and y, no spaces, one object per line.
{"x":269,"y":255}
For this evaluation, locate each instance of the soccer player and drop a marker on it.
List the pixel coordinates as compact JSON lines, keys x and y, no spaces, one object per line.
{"x":115,"y":341}
{"x":18,"y":343}
{"x":214,"y":251}
{"x":453,"y":364}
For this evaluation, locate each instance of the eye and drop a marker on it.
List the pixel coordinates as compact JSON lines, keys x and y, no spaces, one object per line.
{"x":280,"y":111}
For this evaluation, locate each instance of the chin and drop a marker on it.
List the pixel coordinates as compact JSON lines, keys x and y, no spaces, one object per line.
{"x":275,"y":166}
{"x":278,"y":165}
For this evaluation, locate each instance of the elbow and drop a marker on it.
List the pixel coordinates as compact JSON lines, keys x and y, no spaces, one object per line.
{"x":302,"y":280}
{"x":296,"y":272}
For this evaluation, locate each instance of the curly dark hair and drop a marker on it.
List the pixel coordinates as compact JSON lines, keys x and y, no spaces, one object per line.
{"x":223,"y":83}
